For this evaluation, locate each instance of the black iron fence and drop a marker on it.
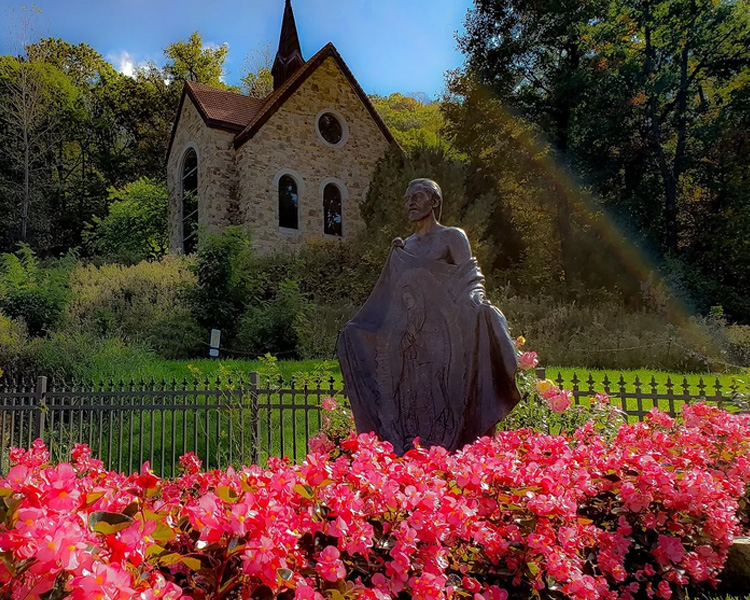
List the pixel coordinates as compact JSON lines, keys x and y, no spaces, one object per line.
{"x":245,"y":420}
{"x":637,"y":396}
{"x":224,"y":422}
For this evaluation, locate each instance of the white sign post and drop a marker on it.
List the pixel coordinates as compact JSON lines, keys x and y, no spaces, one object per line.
{"x":215,"y":343}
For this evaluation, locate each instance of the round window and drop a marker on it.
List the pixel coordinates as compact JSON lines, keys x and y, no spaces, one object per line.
{"x":330,"y":128}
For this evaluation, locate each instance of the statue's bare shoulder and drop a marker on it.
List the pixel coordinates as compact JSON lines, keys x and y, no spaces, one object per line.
{"x":458,"y":243}
{"x":448,"y":244}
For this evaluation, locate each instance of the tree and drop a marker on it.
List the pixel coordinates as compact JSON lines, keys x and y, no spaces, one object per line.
{"x":413,"y":120}
{"x":192,"y":60}
{"x":35,"y":97}
{"x":529,"y":53}
{"x":615,"y":81}
{"x":135,"y":227}
{"x":257,"y":80}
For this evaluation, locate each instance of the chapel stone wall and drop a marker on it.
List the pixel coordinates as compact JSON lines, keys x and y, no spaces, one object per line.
{"x":289,"y":142}
{"x":217,"y":176}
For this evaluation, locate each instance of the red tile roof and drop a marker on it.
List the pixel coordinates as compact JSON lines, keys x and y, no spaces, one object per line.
{"x":244,"y":116}
{"x":224,"y":109}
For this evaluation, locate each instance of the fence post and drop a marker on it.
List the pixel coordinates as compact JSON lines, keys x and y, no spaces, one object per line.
{"x":41,"y":406}
{"x":254,"y":418}
{"x":541,"y":373}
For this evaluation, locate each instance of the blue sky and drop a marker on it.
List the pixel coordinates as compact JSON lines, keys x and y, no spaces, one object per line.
{"x":390,"y":45}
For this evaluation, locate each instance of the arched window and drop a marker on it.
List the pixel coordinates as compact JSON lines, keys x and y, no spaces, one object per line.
{"x":332,"y":209}
{"x":189,"y":224}
{"x":288,"y":202}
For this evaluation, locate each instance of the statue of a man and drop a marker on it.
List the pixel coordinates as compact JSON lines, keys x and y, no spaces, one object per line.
{"x":428,"y":356}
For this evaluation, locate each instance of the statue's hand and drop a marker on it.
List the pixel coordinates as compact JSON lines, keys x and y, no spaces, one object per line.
{"x":397,"y":242}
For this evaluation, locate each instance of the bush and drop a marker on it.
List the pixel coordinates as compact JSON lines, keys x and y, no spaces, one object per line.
{"x":75,"y":356}
{"x":135,"y":228}
{"x":144,"y":303}
{"x":318,"y":331}
{"x":13,"y":346}
{"x":609,"y":336}
{"x":30,"y":292}
{"x":226,"y":282}
{"x":272,"y":325}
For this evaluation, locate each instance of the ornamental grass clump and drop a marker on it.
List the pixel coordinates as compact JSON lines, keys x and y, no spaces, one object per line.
{"x":519,"y":515}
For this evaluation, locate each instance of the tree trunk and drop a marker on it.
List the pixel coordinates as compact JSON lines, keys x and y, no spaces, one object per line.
{"x":26,"y":187}
{"x":564,"y":112}
{"x":672,"y":183}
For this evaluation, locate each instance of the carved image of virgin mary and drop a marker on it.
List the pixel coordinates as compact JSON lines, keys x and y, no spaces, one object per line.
{"x":420,"y":389}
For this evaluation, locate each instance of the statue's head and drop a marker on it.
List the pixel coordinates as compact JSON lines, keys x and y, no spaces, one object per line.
{"x":423,"y":196}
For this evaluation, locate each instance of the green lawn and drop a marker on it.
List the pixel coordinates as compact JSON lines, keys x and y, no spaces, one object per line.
{"x":645,"y":376}
{"x":161,"y":369}
{"x":177,"y":369}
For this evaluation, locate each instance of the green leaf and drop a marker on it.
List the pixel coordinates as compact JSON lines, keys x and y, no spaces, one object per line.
{"x":532,"y":567}
{"x":304,"y":490}
{"x":131,"y":509}
{"x":226,"y":493}
{"x":108,"y":523}
{"x":163,"y":533}
{"x":156,"y":550}
{"x":91,"y":497}
{"x":191,"y":563}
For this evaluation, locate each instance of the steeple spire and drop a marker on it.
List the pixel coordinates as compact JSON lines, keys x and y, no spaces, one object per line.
{"x":289,"y":56}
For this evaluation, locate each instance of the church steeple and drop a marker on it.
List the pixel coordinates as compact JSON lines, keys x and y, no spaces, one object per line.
{"x":289,"y":56}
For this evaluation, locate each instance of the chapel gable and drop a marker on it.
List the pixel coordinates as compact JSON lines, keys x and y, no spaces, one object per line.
{"x":289,"y":167}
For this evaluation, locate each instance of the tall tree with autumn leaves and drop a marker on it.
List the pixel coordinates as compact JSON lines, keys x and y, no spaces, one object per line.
{"x":637,"y":100}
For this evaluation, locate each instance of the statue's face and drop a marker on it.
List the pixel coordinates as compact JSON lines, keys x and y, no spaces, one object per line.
{"x":419,"y":204}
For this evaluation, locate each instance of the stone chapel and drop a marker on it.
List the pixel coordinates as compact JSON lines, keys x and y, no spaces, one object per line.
{"x":289,"y":167}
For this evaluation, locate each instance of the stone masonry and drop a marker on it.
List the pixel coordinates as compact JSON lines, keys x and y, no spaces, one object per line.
{"x":289,"y":143}
{"x":240,"y":186}
{"x":217,"y":178}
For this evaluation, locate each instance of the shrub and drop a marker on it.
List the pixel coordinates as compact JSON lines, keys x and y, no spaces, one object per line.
{"x":30,"y":292}
{"x":135,"y":228}
{"x":75,"y":356}
{"x":226,"y":282}
{"x":608,"y":335}
{"x":13,"y":346}
{"x":318,"y":331}
{"x":273,"y":325}
{"x":144,"y":303}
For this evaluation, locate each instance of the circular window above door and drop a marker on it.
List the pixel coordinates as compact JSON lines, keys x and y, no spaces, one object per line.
{"x":331,"y":128}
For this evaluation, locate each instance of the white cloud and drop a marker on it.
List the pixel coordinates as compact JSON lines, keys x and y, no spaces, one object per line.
{"x":125,"y":63}
{"x":214,"y":45}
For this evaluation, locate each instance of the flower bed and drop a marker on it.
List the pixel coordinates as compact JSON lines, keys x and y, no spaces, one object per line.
{"x":520,"y":515}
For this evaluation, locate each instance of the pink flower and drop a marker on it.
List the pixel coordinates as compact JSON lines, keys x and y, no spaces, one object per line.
{"x":190,"y":463}
{"x":329,"y":566}
{"x":560,"y":402}
{"x":546,"y":388}
{"x":600,"y":399}
{"x":110,"y":582}
{"x":528,"y":360}
{"x":669,"y":550}
{"x":320,"y":444}
{"x":664,"y":591}
{"x":305,"y":592}
{"x":329,"y":404}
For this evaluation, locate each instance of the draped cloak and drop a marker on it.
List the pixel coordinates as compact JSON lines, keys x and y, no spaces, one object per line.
{"x":428,"y":356}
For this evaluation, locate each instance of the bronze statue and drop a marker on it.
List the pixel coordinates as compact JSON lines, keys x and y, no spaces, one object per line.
{"x":428,"y":356}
